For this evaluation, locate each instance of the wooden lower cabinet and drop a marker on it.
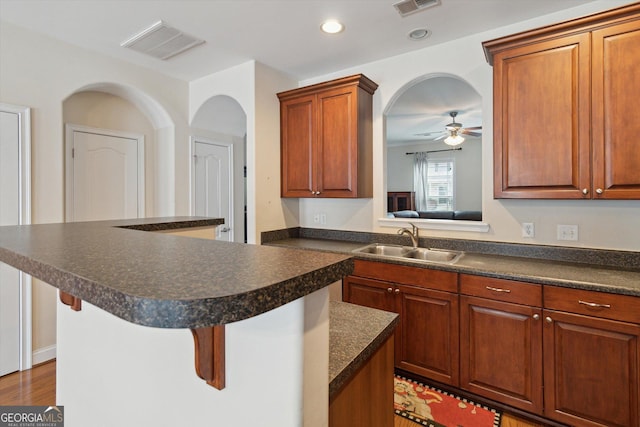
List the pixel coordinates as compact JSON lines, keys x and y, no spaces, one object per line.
{"x":501,"y":352}
{"x":569,"y":355}
{"x":427,"y":333}
{"x":591,"y":358}
{"x":367,"y":399}
{"x":501,"y":340}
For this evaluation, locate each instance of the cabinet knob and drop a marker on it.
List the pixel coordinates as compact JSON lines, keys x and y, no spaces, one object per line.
{"x":536,"y":316}
{"x":317,"y":193}
{"x":397,"y":291}
{"x":585,"y":191}
{"x":389,"y":290}
{"x":599,"y":190}
{"x":548,"y":319}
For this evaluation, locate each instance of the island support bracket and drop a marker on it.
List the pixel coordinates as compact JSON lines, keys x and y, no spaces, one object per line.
{"x":209,"y":347}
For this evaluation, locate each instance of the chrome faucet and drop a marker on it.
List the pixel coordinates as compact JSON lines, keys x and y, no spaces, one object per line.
{"x":412,"y":233}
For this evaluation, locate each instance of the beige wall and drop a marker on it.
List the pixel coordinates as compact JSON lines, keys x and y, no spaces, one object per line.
{"x":602,"y":224}
{"x":105,"y":111}
{"x":40,"y":73}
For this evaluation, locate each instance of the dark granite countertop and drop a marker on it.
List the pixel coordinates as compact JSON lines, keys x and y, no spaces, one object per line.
{"x":355,"y":333}
{"x":166,"y":281}
{"x":602,"y":278}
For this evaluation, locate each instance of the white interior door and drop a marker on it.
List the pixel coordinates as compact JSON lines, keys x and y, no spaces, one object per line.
{"x":15,"y":287}
{"x":213,"y":184}
{"x":105,"y":174}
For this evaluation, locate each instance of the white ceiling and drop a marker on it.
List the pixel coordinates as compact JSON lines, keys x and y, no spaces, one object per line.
{"x":283,"y":34}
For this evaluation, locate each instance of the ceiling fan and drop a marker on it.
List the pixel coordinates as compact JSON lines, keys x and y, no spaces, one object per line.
{"x":453,"y":131}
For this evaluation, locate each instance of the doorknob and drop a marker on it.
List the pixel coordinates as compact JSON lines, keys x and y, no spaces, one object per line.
{"x":224,"y":229}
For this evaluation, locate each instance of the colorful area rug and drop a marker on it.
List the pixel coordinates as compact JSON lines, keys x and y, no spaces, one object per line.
{"x":432,"y":407}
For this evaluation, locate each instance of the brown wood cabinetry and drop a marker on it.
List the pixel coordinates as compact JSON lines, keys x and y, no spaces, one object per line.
{"x":326,"y":139}
{"x":563,"y":95}
{"x":591,"y":358}
{"x":427,"y":302}
{"x":501,"y":341}
{"x":570,"y":355}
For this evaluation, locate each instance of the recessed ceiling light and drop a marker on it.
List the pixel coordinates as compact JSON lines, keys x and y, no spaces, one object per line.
{"x":331,"y":26}
{"x":419,"y":34}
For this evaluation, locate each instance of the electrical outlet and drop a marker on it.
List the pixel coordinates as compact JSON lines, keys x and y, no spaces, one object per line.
{"x":567,"y":232}
{"x":323,"y":218}
{"x":316,"y":218}
{"x":528,"y":229}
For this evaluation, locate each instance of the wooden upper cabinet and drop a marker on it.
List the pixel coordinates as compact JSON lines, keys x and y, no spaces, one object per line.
{"x":616,"y":116}
{"x":326,"y":139}
{"x":563,"y":102}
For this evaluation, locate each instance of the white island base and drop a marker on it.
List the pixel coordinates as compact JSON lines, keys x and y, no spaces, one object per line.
{"x":111,"y":372}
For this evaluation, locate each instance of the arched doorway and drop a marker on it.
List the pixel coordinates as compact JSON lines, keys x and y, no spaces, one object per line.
{"x":218,"y":167}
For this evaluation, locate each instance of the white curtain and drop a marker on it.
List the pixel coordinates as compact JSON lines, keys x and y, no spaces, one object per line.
{"x":420,"y":180}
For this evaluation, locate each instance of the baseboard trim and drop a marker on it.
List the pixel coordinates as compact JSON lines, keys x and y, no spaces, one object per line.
{"x":44,"y":354}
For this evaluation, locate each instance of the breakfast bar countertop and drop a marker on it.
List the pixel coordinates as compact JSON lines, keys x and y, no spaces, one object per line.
{"x":167,"y":281}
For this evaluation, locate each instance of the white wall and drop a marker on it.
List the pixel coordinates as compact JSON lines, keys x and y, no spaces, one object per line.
{"x":254,"y":86}
{"x":602,"y":224}
{"x":467,"y":169}
{"x":40,"y":73}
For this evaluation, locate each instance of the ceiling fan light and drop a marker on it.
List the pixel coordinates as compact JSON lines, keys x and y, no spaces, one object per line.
{"x":454,"y":139}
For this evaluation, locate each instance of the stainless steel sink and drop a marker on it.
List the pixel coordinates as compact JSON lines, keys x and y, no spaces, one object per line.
{"x":385,"y":250}
{"x":407,"y":252}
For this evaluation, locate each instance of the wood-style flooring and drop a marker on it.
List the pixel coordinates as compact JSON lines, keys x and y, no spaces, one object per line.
{"x":37,"y":386}
{"x":34,"y":387}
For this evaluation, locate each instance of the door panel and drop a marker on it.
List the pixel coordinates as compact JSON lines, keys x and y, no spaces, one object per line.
{"x":105,"y":177}
{"x":429,"y":343}
{"x":615,"y":104}
{"x":9,"y":215}
{"x":597,"y":357}
{"x":213,"y":185}
{"x":501,"y":352}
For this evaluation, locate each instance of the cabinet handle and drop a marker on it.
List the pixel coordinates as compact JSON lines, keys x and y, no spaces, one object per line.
{"x":594,"y":304}
{"x":317,"y":193}
{"x":389,"y":290}
{"x":397,"y":291}
{"x":548,"y":319}
{"x":585,"y":191}
{"x":498,"y":289}
{"x":599,"y":190}
{"x":536,"y":316}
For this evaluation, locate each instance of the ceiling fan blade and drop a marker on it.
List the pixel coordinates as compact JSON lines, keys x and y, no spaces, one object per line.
{"x":466,"y":132}
{"x":474,"y":128}
{"x":427,"y":133}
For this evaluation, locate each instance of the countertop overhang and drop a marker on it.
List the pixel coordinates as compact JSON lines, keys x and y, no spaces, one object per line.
{"x":165,"y":281}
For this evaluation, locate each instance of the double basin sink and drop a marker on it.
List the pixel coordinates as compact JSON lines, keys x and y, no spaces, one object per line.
{"x":407,"y":252}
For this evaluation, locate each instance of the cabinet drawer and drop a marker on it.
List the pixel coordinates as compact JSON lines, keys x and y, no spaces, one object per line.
{"x":501,"y":290}
{"x":432,"y":279}
{"x":598,"y":304}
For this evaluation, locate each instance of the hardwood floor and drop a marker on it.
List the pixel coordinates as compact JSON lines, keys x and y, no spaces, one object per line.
{"x":37,"y":386}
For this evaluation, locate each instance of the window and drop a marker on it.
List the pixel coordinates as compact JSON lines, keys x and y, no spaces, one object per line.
{"x":440,"y":195}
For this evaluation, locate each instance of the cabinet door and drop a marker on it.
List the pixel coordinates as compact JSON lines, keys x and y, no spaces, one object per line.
{"x":370,"y":293}
{"x":616,"y":123}
{"x":337,"y":147}
{"x":591,"y":370}
{"x":542,"y":120}
{"x":428,"y":333}
{"x":501,"y":352}
{"x":297,"y":145}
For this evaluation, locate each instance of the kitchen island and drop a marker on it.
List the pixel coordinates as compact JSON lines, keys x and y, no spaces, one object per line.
{"x":125,"y":356}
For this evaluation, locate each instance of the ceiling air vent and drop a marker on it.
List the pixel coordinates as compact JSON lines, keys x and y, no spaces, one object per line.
{"x":161,"y":41}
{"x":407,"y":7}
